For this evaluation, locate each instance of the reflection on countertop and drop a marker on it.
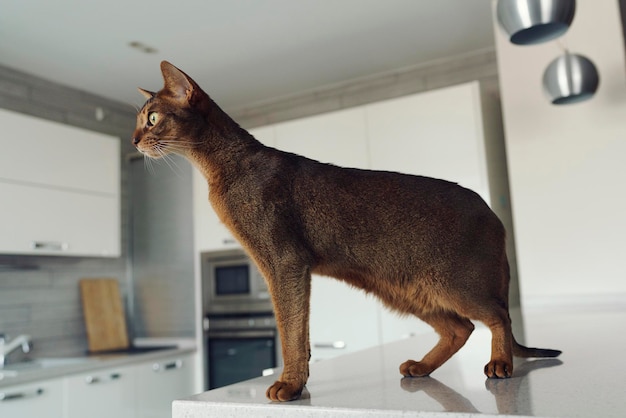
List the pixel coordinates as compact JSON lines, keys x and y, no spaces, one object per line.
{"x":585,"y":381}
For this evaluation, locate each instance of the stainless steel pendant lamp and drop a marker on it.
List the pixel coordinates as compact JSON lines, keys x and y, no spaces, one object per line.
{"x":570,"y":78}
{"x":530,"y":22}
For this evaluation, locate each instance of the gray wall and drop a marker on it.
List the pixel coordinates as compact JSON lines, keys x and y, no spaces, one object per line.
{"x":39,"y":295}
{"x":161,"y":246}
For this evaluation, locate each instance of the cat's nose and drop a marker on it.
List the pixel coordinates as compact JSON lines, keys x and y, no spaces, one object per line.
{"x":135,"y":140}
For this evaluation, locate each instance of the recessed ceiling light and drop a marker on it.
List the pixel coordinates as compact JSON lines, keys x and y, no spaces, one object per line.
{"x":140,"y":46}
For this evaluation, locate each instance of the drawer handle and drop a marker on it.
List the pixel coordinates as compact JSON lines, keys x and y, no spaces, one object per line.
{"x":50,"y":245}
{"x":92,"y":380}
{"x":8,"y":396}
{"x":229,"y":241}
{"x":337,"y":345}
{"x":164,"y":367}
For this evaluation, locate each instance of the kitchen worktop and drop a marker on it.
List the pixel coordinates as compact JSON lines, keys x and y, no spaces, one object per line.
{"x":73,"y":365}
{"x":587,"y":380}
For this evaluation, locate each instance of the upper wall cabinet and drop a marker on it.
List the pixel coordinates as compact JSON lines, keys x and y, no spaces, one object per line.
{"x":59,"y":188}
{"x":338,"y":138}
{"x":436,"y":134}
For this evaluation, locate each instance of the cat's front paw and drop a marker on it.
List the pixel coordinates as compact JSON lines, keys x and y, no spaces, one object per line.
{"x":284,"y":391}
{"x":499,"y":369}
{"x":411,"y":368}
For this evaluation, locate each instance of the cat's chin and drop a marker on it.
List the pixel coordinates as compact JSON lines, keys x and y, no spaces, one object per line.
{"x":153,"y":154}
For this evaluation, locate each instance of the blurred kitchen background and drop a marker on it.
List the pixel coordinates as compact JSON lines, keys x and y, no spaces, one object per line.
{"x":329,"y":80}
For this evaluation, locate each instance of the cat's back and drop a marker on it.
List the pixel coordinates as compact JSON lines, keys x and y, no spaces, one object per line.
{"x":321,"y":192}
{"x":354,"y":186}
{"x":357,"y":221}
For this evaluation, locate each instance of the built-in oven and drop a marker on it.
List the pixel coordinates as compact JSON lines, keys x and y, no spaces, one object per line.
{"x":240,"y":348}
{"x":241,"y":339}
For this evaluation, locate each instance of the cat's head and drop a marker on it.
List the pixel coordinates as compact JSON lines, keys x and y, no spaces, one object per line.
{"x":169,"y":117}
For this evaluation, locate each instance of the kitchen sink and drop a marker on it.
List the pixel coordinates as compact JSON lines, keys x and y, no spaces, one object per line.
{"x":4,"y":374}
{"x":31,"y":364}
{"x":137,"y":349}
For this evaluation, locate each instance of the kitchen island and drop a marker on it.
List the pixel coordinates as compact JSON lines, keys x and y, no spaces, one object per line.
{"x":587,"y":380}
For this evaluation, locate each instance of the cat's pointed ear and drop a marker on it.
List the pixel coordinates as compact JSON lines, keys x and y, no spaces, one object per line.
{"x":180,"y":86}
{"x":147,"y":94}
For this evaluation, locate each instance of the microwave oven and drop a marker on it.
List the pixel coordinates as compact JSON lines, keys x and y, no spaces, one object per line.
{"x":231,"y":284}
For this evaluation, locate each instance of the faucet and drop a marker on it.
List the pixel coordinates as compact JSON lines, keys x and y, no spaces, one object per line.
{"x":7,"y":347}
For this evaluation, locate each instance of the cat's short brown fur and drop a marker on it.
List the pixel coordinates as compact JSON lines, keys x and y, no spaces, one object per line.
{"x":424,"y":246}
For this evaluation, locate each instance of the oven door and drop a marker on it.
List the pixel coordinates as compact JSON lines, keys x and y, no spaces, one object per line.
{"x":234,"y":356}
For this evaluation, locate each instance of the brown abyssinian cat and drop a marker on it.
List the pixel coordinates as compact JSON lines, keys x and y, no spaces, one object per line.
{"x":424,"y":246}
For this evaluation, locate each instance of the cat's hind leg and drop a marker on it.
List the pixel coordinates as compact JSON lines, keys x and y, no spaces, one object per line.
{"x":501,"y":363}
{"x":453,"y":331}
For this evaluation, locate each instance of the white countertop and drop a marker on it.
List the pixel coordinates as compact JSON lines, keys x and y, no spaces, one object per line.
{"x":95,"y":361}
{"x":587,"y":380}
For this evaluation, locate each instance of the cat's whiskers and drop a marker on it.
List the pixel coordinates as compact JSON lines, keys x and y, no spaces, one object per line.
{"x":173,"y":142}
{"x":165,"y":147}
{"x":148,"y":164}
{"x":171,"y":162}
{"x":175,"y":145}
{"x":165,"y":155}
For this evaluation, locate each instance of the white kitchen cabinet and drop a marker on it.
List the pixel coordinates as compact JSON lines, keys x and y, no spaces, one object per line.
{"x":37,"y":224}
{"x":41,"y":399}
{"x":60,"y":189}
{"x":160,"y":382}
{"x":338,"y":138}
{"x":102,"y":393}
{"x":42,"y":152}
{"x":210,"y":233}
{"x":139,"y":390}
{"x":394,"y":327}
{"x":343,"y":319}
{"x":436,"y":134}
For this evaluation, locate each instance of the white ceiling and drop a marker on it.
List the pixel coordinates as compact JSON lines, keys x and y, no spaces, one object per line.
{"x":239,"y":51}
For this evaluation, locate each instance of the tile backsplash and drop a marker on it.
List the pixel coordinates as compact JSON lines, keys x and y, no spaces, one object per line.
{"x":40,"y":297}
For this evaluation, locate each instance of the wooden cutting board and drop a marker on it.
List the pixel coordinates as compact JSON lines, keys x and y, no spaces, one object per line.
{"x":105,"y":320}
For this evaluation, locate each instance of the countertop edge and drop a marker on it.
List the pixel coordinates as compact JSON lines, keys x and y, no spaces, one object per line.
{"x":95,"y":362}
{"x":190,"y":408}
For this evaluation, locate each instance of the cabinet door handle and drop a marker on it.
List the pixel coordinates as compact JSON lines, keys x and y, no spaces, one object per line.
{"x":229,"y":241}
{"x":13,"y":396}
{"x":92,"y":380}
{"x":163,"y":367}
{"x":336,"y":345}
{"x":50,"y":245}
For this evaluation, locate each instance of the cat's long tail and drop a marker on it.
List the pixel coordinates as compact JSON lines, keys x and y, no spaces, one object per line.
{"x":526,"y":352}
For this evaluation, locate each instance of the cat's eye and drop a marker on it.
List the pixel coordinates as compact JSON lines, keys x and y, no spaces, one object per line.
{"x":153,"y":118}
